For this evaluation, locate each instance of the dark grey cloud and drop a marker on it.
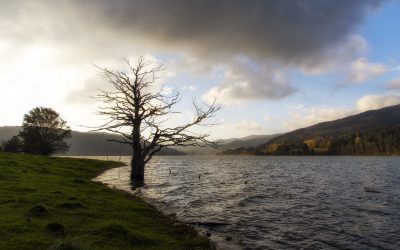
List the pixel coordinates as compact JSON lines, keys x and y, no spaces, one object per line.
{"x":289,"y":30}
{"x":309,"y":34}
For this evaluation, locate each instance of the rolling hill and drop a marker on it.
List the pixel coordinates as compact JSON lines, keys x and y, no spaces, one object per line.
{"x":374,"y":132}
{"x":248,"y":141}
{"x":227,"y":144}
{"x":88,"y":143}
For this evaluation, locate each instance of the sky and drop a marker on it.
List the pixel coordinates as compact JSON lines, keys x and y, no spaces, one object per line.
{"x":274,"y":65}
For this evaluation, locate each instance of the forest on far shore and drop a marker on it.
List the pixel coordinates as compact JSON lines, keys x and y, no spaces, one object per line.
{"x":383,"y":141}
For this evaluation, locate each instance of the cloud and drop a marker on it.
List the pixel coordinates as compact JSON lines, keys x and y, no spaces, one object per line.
{"x":337,"y":57}
{"x":268,"y":118}
{"x":286,"y":30}
{"x":361,"y":70}
{"x":95,"y":81}
{"x":248,"y":125}
{"x":308,"y":34}
{"x":243,"y":83}
{"x":301,"y":117}
{"x":393,"y":84}
{"x":238,"y":129}
{"x":274,"y":36}
{"x":225,"y":129}
{"x":303,"y":33}
{"x":395,"y":68}
{"x":189,"y":87}
{"x":369,"y":102}
{"x":315,"y":36}
{"x":90,"y":88}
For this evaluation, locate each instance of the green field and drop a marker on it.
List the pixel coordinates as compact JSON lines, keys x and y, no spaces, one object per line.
{"x":51,"y":203}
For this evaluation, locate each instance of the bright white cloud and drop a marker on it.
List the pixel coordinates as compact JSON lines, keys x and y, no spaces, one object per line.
{"x":189,"y":87}
{"x":369,"y":102}
{"x":361,"y":70}
{"x":300,"y":117}
{"x":248,"y":125}
{"x":268,"y":118}
{"x":35,"y":75}
{"x":167,"y":90}
{"x":239,"y":129}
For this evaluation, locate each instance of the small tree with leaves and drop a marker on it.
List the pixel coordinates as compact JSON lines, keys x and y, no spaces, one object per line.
{"x":12,"y":145}
{"x":137,"y":113}
{"x":44,"y":132}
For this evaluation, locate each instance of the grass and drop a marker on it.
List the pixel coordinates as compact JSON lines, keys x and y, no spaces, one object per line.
{"x":51,"y":203}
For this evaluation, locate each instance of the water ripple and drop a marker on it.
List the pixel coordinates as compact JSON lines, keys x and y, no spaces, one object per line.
{"x":278,"y":202}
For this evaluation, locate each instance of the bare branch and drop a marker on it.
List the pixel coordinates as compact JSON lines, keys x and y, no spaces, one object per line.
{"x":133,"y":106}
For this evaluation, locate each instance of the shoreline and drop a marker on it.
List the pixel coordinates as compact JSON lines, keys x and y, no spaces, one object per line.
{"x":52,"y":203}
{"x":111,"y":179}
{"x":171,"y":216}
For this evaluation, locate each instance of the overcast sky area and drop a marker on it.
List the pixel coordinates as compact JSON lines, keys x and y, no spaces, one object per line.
{"x":274,"y":65}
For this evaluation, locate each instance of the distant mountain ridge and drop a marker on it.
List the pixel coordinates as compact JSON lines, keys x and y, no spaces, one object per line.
{"x":370,"y":132}
{"x":372,"y":119}
{"x":90,"y":143}
{"x":248,"y":141}
{"x":232,"y":143}
{"x":6,"y":132}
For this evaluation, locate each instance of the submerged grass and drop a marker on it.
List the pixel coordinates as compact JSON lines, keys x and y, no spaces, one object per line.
{"x":51,"y":203}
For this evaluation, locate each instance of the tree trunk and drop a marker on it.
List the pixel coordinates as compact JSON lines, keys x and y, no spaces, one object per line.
{"x":137,"y":162}
{"x":137,"y":174}
{"x":137,"y":171}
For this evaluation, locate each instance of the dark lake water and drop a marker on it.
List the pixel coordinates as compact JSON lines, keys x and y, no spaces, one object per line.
{"x":278,"y":202}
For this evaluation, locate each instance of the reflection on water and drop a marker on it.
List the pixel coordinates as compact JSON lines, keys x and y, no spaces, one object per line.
{"x":278,"y":202}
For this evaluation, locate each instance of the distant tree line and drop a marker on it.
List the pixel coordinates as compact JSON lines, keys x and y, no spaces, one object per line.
{"x":383,"y":141}
{"x":43,"y":132}
{"x":373,"y":142}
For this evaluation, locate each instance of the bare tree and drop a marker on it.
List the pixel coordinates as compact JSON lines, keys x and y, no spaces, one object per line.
{"x":137,"y":112}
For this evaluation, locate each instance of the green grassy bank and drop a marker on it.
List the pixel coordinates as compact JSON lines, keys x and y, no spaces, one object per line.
{"x":51,"y":203}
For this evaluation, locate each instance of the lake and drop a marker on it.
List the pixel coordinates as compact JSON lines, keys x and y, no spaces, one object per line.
{"x":278,"y":202}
